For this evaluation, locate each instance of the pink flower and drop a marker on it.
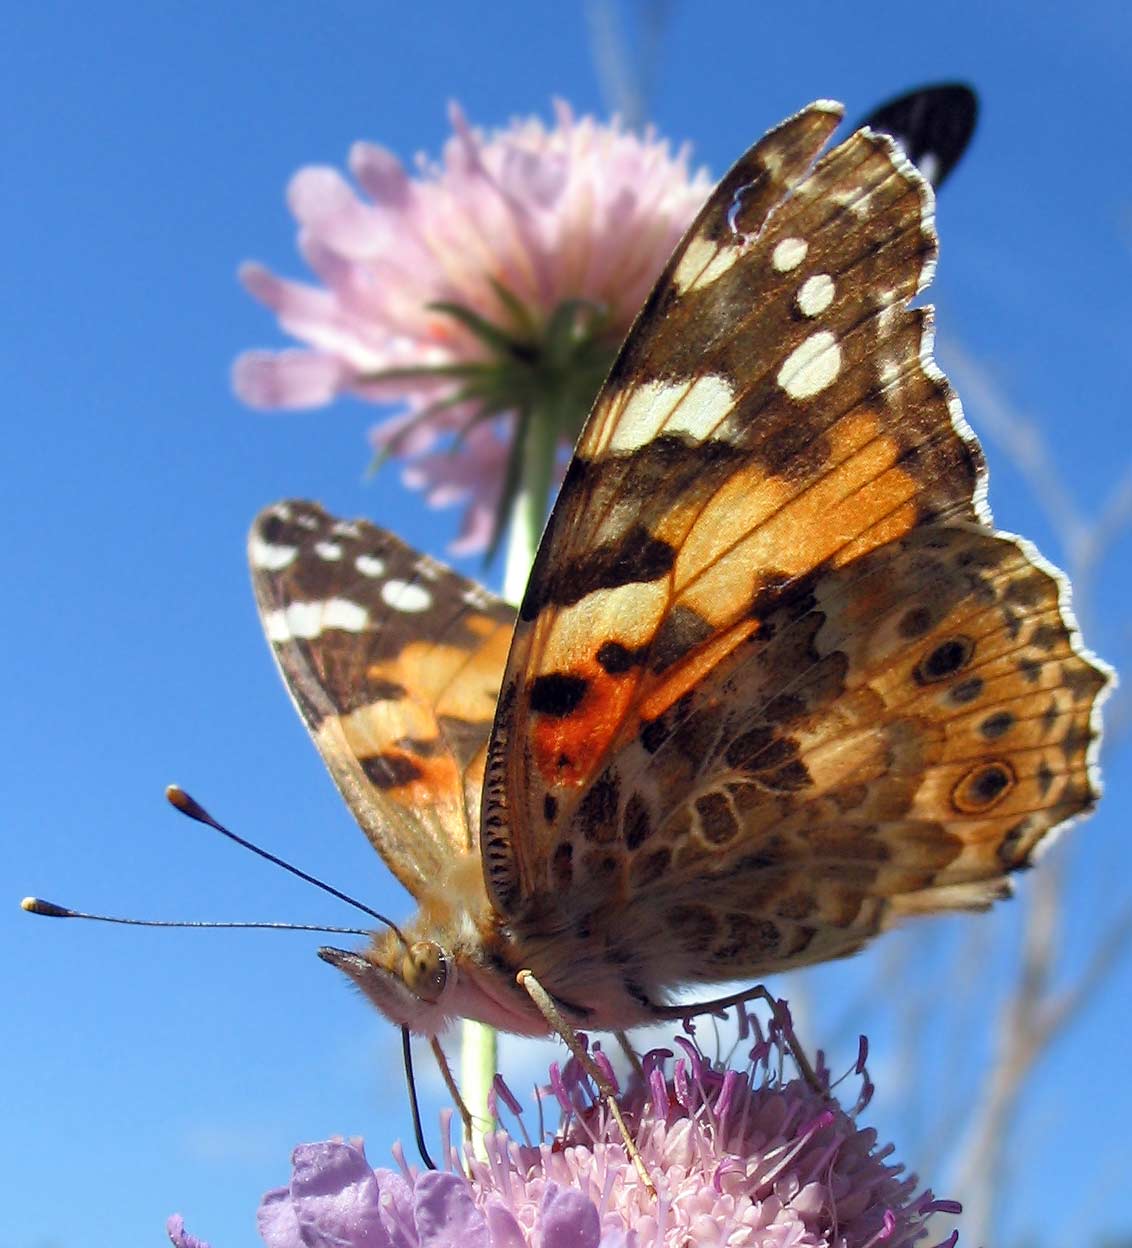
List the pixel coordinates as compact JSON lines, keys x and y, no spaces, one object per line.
{"x":738,"y":1157}
{"x":493,"y":285}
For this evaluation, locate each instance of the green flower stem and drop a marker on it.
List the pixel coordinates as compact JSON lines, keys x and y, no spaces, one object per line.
{"x":479,"y":1043}
{"x":528,"y":513}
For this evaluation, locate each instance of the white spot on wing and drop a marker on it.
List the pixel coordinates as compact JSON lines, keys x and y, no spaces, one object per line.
{"x":370,"y":565}
{"x":300,"y":621}
{"x":789,"y":253}
{"x":694,"y":407}
{"x":328,"y":550}
{"x":275,"y":626}
{"x":855,"y":199}
{"x":406,"y":596}
{"x":344,"y":614}
{"x":478,"y":598}
{"x":704,"y":260}
{"x":811,"y":366}
{"x":816,"y":294}
{"x":268,"y":557}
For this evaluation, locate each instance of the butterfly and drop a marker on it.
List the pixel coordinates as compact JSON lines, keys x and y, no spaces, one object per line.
{"x":776,"y":683}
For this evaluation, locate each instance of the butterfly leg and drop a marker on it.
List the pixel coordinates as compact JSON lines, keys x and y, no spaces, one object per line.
{"x":555,"y":1019}
{"x":779,"y":1013}
{"x":453,"y":1091}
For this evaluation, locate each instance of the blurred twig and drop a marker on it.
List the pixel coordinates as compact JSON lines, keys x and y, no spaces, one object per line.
{"x":1034,"y":1012}
{"x":626,"y":63}
{"x":1029,"y":1021}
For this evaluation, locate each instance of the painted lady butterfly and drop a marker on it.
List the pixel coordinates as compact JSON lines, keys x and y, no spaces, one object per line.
{"x":776,"y":682}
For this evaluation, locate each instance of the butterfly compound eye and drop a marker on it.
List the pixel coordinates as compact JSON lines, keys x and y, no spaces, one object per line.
{"x":425,"y":970}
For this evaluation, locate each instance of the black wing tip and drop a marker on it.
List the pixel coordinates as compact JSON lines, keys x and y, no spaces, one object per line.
{"x":935,"y":123}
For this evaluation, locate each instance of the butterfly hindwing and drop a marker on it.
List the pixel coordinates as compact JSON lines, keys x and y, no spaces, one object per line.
{"x":394,"y":662}
{"x":898,"y":737}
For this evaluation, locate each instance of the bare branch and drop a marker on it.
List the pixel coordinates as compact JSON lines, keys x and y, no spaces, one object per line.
{"x":1031,"y":1016}
{"x":1068,"y":1004}
{"x":626,"y":68}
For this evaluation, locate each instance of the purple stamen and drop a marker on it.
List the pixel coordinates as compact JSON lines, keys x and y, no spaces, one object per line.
{"x":681,"y":1085}
{"x":500,"y":1089}
{"x":887,"y":1227}
{"x":760,"y":1054}
{"x":729,"y":1165}
{"x":558,"y":1087}
{"x":868,"y":1088}
{"x":447,"y":1152}
{"x":820,"y":1068}
{"x":658,"y":1093}
{"x":605,"y":1066}
{"x":743,"y":1020}
{"x":931,"y":1205}
{"x":725,"y":1101}
{"x":654,"y":1058}
{"x":695,"y":1058}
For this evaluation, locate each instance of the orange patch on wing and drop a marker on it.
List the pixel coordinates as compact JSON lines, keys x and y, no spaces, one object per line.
{"x":720,"y":545}
{"x":755,"y":521}
{"x":565,"y":746}
{"x":689,"y":672}
{"x":437,"y":778}
{"x":482,"y":625}
{"x":453,"y":680}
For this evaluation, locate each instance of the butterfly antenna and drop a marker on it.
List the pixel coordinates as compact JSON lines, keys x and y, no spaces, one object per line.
{"x":414,"y":1107}
{"x":36,"y":905}
{"x":190,"y":807}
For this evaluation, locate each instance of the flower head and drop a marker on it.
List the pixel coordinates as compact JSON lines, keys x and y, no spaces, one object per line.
{"x":737,"y":1157}
{"x":490,"y":288}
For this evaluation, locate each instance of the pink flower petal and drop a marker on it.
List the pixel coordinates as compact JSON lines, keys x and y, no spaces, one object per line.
{"x":574,"y":210}
{"x":276,"y":1222}
{"x":568,"y":1219}
{"x":287,"y":379}
{"x":381,"y":175}
{"x":323,"y":201}
{"x":336,"y":1199}
{"x":446,"y":1215}
{"x":178,"y":1236}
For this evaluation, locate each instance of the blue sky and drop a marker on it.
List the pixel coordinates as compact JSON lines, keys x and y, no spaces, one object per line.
{"x":146,"y":150}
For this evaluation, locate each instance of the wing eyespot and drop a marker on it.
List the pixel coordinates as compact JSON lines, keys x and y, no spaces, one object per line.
{"x":948,"y":658}
{"x":983,"y":787}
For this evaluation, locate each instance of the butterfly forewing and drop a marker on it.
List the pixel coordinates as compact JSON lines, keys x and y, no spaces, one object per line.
{"x":697,"y":720}
{"x":394,"y":662}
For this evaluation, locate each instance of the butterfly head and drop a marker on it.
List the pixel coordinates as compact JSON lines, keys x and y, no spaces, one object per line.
{"x":410,"y":981}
